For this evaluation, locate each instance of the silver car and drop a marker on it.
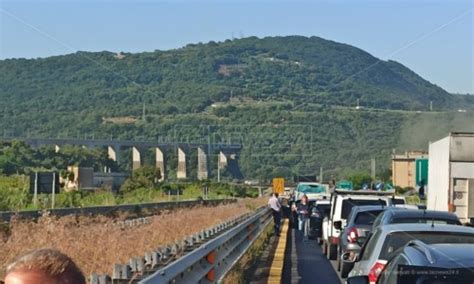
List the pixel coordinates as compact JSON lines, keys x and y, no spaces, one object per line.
{"x":359,"y":225}
{"x":386,"y":239}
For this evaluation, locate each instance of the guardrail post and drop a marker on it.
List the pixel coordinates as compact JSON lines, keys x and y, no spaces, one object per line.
{"x":211,"y":258}
{"x":250,"y":228}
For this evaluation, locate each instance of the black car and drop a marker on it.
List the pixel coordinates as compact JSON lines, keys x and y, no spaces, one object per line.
{"x":418,"y":262}
{"x":319,"y":208}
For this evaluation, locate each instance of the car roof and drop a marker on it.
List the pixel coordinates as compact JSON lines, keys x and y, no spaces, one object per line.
{"x":444,"y":255}
{"x":363,"y":197}
{"x":406,"y":206}
{"x":365,"y":208}
{"x":309,"y":183}
{"x":422,"y":227}
{"x":421,"y":213}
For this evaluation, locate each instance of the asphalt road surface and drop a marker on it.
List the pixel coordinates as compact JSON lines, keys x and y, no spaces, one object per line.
{"x":305,"y":262}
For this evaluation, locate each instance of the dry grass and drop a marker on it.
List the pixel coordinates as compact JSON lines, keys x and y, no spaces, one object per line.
{"x":95,"y":244}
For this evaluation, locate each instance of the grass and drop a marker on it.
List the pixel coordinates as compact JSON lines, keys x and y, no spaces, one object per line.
{"x":96,"y":244}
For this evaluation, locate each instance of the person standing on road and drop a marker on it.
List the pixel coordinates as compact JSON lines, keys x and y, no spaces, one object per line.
{"x":303,"y":216}
{"x":275,"y":205}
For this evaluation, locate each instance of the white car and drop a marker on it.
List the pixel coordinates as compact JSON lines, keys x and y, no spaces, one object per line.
{"x":341,"y":205}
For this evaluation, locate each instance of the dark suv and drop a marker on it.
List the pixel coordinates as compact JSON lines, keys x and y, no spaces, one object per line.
{"x":418,"y":262}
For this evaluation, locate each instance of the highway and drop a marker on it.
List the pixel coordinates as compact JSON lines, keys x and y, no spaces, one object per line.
{"x":306,"y":264}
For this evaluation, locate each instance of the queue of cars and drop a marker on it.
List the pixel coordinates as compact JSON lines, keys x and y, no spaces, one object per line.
{"x":376,"y":238}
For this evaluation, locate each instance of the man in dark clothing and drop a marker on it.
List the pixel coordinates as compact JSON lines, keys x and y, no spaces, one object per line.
{"x":421,"y":190}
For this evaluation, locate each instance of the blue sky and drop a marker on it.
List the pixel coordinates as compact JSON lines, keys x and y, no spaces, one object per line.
{"x":433,"y":38}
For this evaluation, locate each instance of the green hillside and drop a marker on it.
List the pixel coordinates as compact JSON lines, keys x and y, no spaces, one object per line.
{"x":289,"y":100}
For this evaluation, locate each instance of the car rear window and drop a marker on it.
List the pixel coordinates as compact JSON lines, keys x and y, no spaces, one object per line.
{"x":398,"y":201}
{"x":397,"y":240}
{"x":424,"y":220}
{"x":435,"y":275}
{"x":347,"y":205}
{"x":325,"y":209}
{"x":367,"y":217}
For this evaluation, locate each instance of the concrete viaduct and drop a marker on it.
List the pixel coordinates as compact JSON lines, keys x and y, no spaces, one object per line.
{"x":226,"y":152}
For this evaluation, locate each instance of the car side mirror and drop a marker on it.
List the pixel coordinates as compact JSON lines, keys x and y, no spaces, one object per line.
{"x":346,"y":258}
{"x":338,"y":225}
{"x":358,"y":280}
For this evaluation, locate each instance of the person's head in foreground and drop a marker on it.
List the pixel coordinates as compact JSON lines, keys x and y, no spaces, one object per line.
{"x":43,"y":266}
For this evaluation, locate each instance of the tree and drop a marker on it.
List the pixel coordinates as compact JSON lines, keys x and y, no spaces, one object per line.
{"x":143,"y":177}
{"x":359,"y":179}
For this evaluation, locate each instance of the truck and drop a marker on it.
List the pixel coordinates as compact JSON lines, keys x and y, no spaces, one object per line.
{"x":451,"y":175}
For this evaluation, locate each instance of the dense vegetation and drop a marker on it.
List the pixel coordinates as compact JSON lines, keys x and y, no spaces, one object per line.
{"x":14,"y":194}
{"x":289,"y":101}
{"x":18,"y":157}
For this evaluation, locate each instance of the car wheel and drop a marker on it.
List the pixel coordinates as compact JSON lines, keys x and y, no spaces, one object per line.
{"x":332,"y":251}
{"x":345,"y":269}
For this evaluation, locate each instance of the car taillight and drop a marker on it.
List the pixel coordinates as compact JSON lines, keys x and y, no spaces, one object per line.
{"x":352,"y":235}
{"x":376,"y":270}
{"x":334,"y":240}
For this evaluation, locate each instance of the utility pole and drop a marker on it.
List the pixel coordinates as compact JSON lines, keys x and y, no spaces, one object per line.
{"x":218,"y":169}
{"x":35,"y":196}
{"x":144,"y":112}
{"x":54,"y":190}
{"x":321,"y":174}
{"x":372,"y":164}
{"x":431,"y":105}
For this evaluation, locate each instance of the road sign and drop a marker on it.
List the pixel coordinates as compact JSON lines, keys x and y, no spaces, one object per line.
{"x":278,"y":185}
{"x":44,"y":182}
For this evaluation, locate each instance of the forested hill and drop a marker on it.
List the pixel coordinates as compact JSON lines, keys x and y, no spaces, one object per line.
{"x":278,"y":88}
{"x":297,"y":69}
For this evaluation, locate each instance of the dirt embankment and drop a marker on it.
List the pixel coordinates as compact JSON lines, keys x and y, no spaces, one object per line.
{"x":97,"y":243}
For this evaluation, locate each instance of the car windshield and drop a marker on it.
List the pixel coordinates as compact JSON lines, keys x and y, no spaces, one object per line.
{"x":367,"y":217}
{"x":397,"y":240}
{"x":311,"y":188}
{"x":347,"y":205}
{"x":424,"y":220}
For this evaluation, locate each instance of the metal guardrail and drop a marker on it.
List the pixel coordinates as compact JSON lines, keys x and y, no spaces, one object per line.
{"x":110,"y":210}
{"x":205,"y":257}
